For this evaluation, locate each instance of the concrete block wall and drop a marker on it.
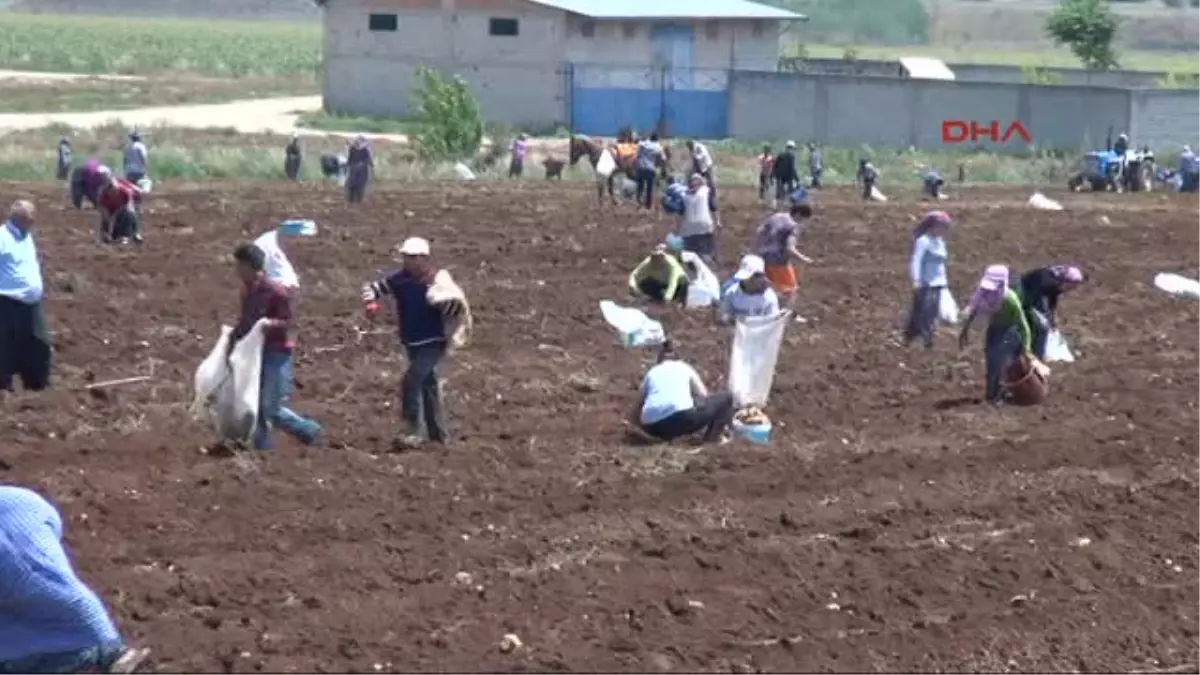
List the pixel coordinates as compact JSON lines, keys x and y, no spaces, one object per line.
{"x":842,"y":110}
{"x":972,"y":72}
{"x":1165,"y":119}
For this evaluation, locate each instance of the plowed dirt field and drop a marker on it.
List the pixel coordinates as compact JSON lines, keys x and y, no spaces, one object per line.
{"x":895,"y":523}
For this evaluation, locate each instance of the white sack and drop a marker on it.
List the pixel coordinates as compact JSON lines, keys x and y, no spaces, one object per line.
{"x":1177,"y":285}
{"x":1042,"y":202}
{"x":227,"y":390}
{"x":705,"y":289}
{"x":636,"y":329}
{"x":606,"y":165}
{"x":756,"y":343}
{"x":278,"y":267}
{"x":628,"y":188}
{"x":463,"y":171}
{"x":947,"y":308}
{"x":876,"y":195}
{"x":1057,"y":348}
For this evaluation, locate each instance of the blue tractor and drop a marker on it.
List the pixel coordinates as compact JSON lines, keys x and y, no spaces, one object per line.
{"x":1100,"y":169}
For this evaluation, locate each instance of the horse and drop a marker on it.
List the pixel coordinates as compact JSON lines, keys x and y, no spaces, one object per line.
{"x":594,"y":149}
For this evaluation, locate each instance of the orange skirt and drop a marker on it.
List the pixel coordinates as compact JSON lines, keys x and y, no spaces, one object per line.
{"x":782,"y":278}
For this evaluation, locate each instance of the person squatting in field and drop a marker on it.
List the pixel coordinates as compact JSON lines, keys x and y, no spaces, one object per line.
{"x":263,"y":298}
{"x":867,"y":177}
{"x":931,"y":185}
{"x":24,"y":341}
{"x":1008,"y":334}
{"x":660,"y":277}
{"x":673,"y":402}
{"x":434,"y":318}
{"x":86,"y":181}
{"x":751,"y":296}
{"x":1040,"y":291}
{"x":776,"y":241}
{"x":120,"y":220}
{"x":137,"y":159}
{"x":927,"y":270}
{"x":50,"y":621}
{"x":360,"y":167}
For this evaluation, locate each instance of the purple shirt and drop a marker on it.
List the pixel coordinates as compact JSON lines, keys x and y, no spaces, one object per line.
{"x":771,"y":241}
{"x":518,"y":149}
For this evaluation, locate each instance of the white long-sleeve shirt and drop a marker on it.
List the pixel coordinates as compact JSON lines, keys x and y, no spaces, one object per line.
{"x":927,"y":268}
{"x":701,"y":158}
{"x":737,"y":304}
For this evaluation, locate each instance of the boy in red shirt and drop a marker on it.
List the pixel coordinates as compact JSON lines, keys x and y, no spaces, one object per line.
{"x":119,"y":218}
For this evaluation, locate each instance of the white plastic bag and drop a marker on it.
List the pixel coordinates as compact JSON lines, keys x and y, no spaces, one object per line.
{"x":463,"y":171}
{"x":606,"y":165}
{"x":628,"y":188}
{"x":278,"y":267}
{"x":756,"y":342}
{"x":876,"y":195}
{"x":634,"y":327}
{"x":705,"y":289}
{"x":1179,"y":286}
{"x":1043,"y":203}
{"x":1057,"y":348}
{"x":947,"y":308}
{"x":227,"y":390}
{"x":145,"y":185}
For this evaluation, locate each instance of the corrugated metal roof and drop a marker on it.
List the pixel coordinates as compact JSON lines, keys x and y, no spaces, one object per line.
{"x":925,"y":68}
{"x":670,"y":9}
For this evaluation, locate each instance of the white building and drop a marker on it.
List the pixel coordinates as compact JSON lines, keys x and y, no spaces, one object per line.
{"x":594,"y":64}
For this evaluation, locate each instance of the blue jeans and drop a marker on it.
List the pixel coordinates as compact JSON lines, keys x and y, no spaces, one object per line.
{"x":421,"y":392}
{"x":274,"y":393}
{"x":96,"y":659}
{"x":1002,"y":345}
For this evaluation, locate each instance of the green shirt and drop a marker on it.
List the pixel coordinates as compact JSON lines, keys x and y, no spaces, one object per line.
{"x":1011,"y":313}
{"x":668,"y":274}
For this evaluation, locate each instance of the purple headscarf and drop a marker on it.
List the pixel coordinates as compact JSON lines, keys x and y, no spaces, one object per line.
{"x":990,"y":293}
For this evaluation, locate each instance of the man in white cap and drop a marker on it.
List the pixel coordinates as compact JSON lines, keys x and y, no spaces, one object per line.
{"x":751,"y":295}
{"x":428,"y":326}
{"x":784,"y":172}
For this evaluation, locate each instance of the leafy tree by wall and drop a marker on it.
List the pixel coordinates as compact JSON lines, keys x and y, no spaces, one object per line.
{"x":1088,"y":28}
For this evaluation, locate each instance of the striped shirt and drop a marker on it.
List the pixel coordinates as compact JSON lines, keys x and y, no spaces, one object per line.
{"x":44,"y":607}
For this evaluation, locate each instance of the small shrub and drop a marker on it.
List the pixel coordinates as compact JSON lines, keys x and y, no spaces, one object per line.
{"x":449,"y":118}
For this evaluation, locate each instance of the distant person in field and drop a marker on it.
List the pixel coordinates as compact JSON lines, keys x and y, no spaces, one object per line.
{"x":867,"y":177}
{"x":927,"y":271}
{"x":120,"y":221}
{"x":137,"y":159}
{"x":63,"y":169}
{"x":776,"y":241}
{"x":292,"y":156}
{"x":1189,"y":171}
{"x":24,"y":341}
{"x":932,"y":183}
{"x":50,"y":621}
{"x":360,"y":166}
{"x":766,"y":171}
{"x":816,"y":165}
{"x":86,"y":181}
{"x":520,"y":146}
{"x":784,"y":172}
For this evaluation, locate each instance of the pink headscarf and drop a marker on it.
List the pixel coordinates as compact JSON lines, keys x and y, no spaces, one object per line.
{"x":932,"y":218}
{"x":990,"y":293}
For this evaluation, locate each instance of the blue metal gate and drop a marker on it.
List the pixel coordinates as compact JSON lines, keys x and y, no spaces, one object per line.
{"x":668,"y":96}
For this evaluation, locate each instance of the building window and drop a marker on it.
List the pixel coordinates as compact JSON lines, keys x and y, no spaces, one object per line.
{"x":758,"y":28}
{"x":712,"y":29}
{"x":629,"y":29}
{"x":587,"y":29}
{"x":382,"y":22}
{"x":504,"y":27}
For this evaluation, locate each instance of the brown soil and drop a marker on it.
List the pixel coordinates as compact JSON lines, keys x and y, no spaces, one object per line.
{"x":893,"y":524}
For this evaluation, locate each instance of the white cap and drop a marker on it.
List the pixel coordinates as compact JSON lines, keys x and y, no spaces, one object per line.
{"x":414,"y":246}
{"x":750,"y":266}
{"x":791,"y":144}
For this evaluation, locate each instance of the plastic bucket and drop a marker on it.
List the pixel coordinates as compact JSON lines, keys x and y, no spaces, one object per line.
{"x":759,"y":434}
{"x":298,"y":228}
{"x":1024,"y":383}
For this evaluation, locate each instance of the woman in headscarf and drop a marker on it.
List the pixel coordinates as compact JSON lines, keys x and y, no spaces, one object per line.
{"x":292,"y":155}
{"x":1040,"y":290}
{"x":660,"y":277}
{"x":1008,"y":335}
{"x":927,"y":269}
{"x":775,"y":242}
{"x":360,"y":165}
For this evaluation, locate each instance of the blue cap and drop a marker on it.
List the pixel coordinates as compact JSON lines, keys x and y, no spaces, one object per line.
{"x":674,"y":242}
{"x":799,"y":196}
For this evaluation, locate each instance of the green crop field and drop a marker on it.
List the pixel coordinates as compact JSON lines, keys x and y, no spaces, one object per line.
{"x":87,"y":44}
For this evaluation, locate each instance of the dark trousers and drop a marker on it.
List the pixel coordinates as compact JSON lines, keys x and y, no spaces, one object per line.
{"x":1039,"y":325}
{"x":516,"y":168}
{"x":126,"y":224}
{"x":24,"y":345}
{"x":357,"y":177}
{"x":291,"y":168}
{"x":78,"y":189}
{"x":645,"y":186}
{"x":764,"y":185}
{"x":703,"y":245}
{"x":867,"y":185}
{"x":923,"y":316}
{"x":1190,"y":182}
{"x":1001,"y":345}
{"x":784,"y":189}
{"x":63,"y":170}
{"x":134,"y":176}
{"x":816,"y":179}
{"x":713,"y":414}
{"x":657,"y":290}
{"x":421,"y":392}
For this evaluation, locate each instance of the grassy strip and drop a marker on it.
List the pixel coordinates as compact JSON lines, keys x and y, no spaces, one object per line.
{"x":21,"y":96}
{"x":100,"y":45}
{"x":191,"y":154}
{"x":1171,"y":62}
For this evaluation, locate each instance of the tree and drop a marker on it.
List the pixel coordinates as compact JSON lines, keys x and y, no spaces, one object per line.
{"x":1088,"y":28}
{"x":451,"y":124}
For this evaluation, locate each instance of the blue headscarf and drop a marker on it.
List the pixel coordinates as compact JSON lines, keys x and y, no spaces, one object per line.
{"x":799,"y":196}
